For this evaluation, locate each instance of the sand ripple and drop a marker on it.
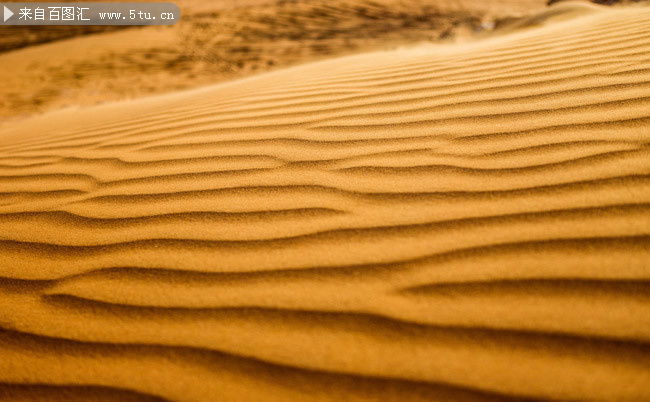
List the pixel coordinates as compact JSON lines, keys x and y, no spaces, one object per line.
{"x":452,"y":223}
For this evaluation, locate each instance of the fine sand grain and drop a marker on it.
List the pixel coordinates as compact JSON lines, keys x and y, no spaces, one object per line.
{"x":462,"y":222}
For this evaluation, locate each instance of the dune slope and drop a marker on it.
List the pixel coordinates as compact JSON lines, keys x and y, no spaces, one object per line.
{"x":452,"y":223}
{"x":46,"y":68}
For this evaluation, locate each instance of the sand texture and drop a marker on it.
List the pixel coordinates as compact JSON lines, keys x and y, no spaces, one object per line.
{"x":46,"y":68}
{"x":441,"y":222}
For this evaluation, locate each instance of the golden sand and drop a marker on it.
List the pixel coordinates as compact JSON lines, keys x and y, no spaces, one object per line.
{"x":216,"y":40}
{"x":466,"y":222}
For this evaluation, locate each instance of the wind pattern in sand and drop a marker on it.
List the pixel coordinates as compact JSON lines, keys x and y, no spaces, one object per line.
{"x":445,"y":223}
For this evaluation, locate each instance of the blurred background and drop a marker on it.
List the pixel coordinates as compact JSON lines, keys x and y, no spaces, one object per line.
{"x":45,"y":68}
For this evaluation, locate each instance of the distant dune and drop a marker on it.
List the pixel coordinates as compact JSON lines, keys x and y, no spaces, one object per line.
{"x":440,"y":222}
{"x":47,"y":68}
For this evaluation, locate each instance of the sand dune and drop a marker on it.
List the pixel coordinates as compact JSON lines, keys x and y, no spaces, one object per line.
{"x":466,"y":222}
{"x":217,"y":41}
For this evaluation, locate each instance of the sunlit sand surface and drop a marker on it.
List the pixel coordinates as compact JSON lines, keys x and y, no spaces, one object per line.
{"x":45,"y":68}
{"x":441,"y":222}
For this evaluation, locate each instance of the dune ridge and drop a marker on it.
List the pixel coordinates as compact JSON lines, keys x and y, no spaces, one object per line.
{"x":441,"y":222}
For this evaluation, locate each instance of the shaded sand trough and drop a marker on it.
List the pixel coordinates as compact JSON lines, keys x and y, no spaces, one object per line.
{"x":443,"y":222}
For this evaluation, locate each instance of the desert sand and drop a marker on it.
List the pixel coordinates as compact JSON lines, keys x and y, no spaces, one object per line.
{"x":47,"y":68}
{"x":436,"y":222}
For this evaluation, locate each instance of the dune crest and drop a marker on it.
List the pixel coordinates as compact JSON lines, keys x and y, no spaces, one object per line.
{"x":442,"y":222}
